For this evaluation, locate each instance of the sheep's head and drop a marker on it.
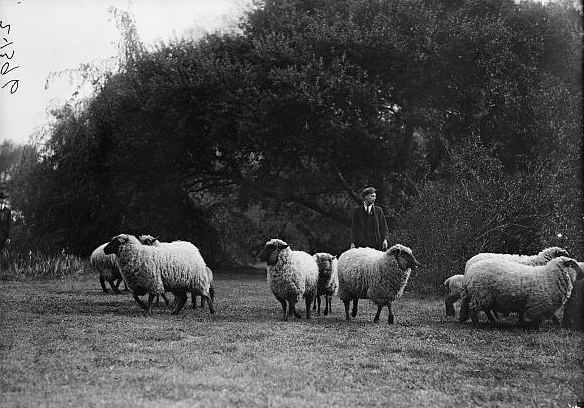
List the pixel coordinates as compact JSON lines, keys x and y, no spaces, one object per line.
{"x":553,"y":252}
{"x":404,"y":256}
{"x":147,"y":240}
{"x":570,"y":266}
{"x":325,"y":264}
{"x":272,"y":250}
{"x":114,"y":245}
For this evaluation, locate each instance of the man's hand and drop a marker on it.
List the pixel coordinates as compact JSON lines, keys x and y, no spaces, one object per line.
{"x":352,"y":245}
{"x":384,"y":246}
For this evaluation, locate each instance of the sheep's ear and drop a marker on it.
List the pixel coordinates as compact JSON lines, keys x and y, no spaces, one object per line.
{"x":411,"y":259}
{"x":282,"y":246}
{"x":570,"y":263}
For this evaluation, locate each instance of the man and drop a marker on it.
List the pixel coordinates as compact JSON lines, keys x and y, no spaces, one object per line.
{"x":5,"y":219}
{"x":368,"y":227}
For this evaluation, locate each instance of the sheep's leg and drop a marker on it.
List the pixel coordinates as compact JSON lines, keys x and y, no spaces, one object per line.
{"x":181,"y":299}
{"x":389,"y":314}
{"x":212,"y":292}
{"x":474,"y":317}
{"x":292,"y":308}
{"x":449,"y":302}
{"x":209,"y":302}
{"x":489,"y":315}
{"x":317,"y":299}
{"x":102,"y":282}
{"x":376,"y":318}
{"x":327,"y":301}
{"x":355,"y":303}
{"x":314,"y":303}
{"x":194,"y":300}
{"x":165,"y":299}
{"x":118,"y":283}
{"x":137,"y":299}
{"x":151,"y":297}
{"x":347,"y":302}
{"x":464,"y":313}
{"x":125,"y":286}
{"x":283,"y":303}
{"x":114,"y":287}
{"x":308,"y":304}
{"x":520,"y":321}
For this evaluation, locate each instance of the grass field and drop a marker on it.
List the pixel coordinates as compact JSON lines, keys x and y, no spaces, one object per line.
{"x":63,"y":343}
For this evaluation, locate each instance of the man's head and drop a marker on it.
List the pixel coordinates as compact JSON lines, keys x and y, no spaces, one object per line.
{"x":369,"y":195}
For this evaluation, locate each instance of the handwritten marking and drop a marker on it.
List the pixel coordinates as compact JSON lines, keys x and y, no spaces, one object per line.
{"x":6,"y":69}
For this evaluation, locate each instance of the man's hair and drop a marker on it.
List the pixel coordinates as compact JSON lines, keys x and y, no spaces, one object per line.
{"x":368,"y":190}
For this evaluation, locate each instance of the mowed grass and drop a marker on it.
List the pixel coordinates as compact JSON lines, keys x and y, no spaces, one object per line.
{"x":63,"y":343}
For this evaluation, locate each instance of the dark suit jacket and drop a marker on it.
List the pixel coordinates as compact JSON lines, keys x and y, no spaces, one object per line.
{"x":358,"y":222}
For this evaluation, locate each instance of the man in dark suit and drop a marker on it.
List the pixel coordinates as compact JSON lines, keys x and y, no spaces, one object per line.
{"x":368,"y":227}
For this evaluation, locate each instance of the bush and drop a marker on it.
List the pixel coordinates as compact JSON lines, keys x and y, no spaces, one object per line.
{"x":484,"y":209}
{"x":38,"y":265}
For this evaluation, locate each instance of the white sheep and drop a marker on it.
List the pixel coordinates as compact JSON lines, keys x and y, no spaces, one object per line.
{"x":150,"y":240}
{"x":504,"y":286}
{"x":291,"y":275}
{"x":453,"y":287}
{"x":542,"y":258}
{"x":366,"y":273}
{"x":108,"y":269}
{"x":328,"y":280}
{"x":176,"y":267}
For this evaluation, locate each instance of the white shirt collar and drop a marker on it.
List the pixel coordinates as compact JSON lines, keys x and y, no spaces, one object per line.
{"x":368,"y":208}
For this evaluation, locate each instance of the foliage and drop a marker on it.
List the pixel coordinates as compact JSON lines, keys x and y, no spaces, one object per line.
{"x":279,"y":124}
{"x":39,"y":265}
{"x":483,"y":209}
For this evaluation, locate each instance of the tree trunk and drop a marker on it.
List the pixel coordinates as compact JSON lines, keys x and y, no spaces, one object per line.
{"x":574,"y":308}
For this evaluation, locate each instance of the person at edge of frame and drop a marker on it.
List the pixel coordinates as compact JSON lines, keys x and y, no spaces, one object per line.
{"x":5,"y":219}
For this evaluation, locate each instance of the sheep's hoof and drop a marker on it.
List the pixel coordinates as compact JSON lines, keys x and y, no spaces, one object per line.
{"x":390,"y":320}
{"x":376,"y":320}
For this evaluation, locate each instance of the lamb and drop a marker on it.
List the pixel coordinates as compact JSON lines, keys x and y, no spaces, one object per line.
{"x":506,"y":286}
{"x":328,"y":280}
{"x":453,"y":286}
{"x":108,"y":269}
{"x":366,"y":273}
{"x":176,"y":267}
{"x":291,"y":275}
{"x":150,"y":240}
{"x":540,"y":259}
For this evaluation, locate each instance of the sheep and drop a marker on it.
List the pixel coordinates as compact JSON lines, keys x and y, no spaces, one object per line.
{"x":506,"y":286}
{"x":328,"y":280}
{"x":366,"y":273}
{"x":108,"y":269}
{"x":541,"y":258}
{"x":176,"y":267}
{"x":150,"y":240}
{"x":453,"y":286}
{"x":291,"y":275}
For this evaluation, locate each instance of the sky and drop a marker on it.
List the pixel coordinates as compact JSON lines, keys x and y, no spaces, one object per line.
{"x":42,"y":39}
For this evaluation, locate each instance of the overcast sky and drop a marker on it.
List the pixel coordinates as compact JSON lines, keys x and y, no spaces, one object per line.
{"x":55,"y":35}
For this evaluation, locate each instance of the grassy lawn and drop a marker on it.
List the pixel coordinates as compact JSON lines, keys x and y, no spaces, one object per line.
{"x":63,"y":343}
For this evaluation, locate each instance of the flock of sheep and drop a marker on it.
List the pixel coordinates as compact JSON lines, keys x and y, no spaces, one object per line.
{"x":534,"y":287}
